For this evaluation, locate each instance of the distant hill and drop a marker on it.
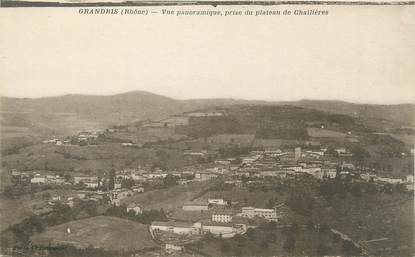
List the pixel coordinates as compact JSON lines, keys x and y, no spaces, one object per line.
{"x":269,"y":122}
{"x":103,"y":110}
{"x":72,"y":113}
{"x":404,"y":114}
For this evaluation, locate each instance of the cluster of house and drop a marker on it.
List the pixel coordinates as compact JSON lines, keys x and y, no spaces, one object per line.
{"x":89,"y":181}
{"x":276,"y":163}
{"x":34,"y":177}
{"x":224,"y":230}
{"x":225,"y":215}
{"x":184,"y":176}
{"x":117,"y":195}
{"x":129,"y":144}
{"x":408,"y":181}
{"x":56,"y":141}
{"x":87,"y":138}
{"x":48,"y":179}
{"x":224,"y":222}
{"x":83,"y":138}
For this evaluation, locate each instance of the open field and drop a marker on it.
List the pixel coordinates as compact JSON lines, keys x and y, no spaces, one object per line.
{"x":271,"y":243}
{"x":12,"y":212}
{"x":408,"y":140}
{"x":144,"y":135}
{"x":85,"y":158}
{"x":109,"y":233}
{"x":318,"y":132}
{"x":372,"y":217}
{"x":171,"y":198}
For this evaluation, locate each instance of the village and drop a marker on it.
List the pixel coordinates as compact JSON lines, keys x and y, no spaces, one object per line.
{"x":189,"y":187}
{"x":219,"y":217}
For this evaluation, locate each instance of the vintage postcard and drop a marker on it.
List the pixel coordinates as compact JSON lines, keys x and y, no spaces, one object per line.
{"x":207,"y":128}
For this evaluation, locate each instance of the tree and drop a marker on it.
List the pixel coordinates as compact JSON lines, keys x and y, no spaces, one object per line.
{"x":295,"y":228}
{"x":349,"y":249}
{"x":127,"y":183}
{"x":321,"y":250}
{"x":264,"y":244}
{"x":300,"y":203}
{"x":208,"y":236}
{"x":37,"y":223}
{"x":240,"y":240}
{"x":359,"y":154}
{"x":225,"y":246}
{"x":170,"y":180}
{"x":90,"y":207}
{"x":356,"y":190}
{"x":111,"y":179}
{"x":237,"y":252}
{"x":250,"y":233}
{"x":336,"y":238}
{"x":331,"y":151}
{"x":310,"y":225}
{"x":324,"y":229}
{"x":289,"y":244}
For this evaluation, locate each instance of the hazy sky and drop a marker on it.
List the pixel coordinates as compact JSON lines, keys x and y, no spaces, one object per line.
{"x":359,"y":54}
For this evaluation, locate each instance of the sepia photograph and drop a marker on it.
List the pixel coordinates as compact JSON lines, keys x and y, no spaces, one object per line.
{"x":244,"y":130}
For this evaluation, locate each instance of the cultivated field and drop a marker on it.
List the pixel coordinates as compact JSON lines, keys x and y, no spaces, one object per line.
{"x":109,"y":233}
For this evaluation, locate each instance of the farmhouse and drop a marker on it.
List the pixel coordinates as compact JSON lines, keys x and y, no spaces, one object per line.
{"x":367,"y":177}
{"x":138,"y":177}
{"x":296,"y":168}
{"x":156,"y":175}
{"x":312,"y":170}
{"x":342,"y":151}
{"x":223,"y":162}
{"x":251,"y":212}
{"x":172,"y":248}
{"x":117,"y":185}
{"x":191,"y":153}
{"x":176,"y":227}
{"x":217,"y":201}
{"x":389,"y":180}
{"x":222,"y":217}
{"x":203,"y":176}
{"x":38,"y":179}
{"x":326,"y":173}
{"x":236,"y":182}
{"x":349,"y":166}
{"x":249,"y":159}
{"x":117,"y":195}
{"x":135,"y":208}
{"x":55,"y":180}
{"x":85,"y":179}
{"x":138,"y":189}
